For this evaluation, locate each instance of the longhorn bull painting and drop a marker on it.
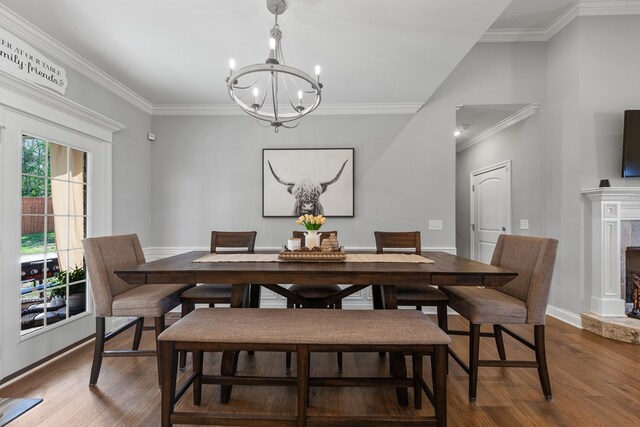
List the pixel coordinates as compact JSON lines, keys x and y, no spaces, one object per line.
{"x":308,"y":181}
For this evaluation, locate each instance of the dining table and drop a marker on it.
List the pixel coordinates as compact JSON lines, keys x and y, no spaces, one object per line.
{"x":265,"y":270}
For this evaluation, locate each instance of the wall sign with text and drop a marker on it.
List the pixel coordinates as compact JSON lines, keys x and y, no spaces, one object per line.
{"x":21,"y":60}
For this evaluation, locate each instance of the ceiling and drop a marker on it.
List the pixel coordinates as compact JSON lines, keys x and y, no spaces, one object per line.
{"x":176,"y":52}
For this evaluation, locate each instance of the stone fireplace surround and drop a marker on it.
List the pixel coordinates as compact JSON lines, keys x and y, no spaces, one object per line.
{"x":608,"y":208}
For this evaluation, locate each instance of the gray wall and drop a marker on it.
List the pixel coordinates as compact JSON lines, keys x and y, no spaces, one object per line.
{"x":207,"y":174}
{"x":131,"y":154}
{"x":593,"y":77}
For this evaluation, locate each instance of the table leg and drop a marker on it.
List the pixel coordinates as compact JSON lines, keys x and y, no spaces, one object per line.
{"x":229,"y":364}
{"x":397,"y":364}
{"x":376,"y":292}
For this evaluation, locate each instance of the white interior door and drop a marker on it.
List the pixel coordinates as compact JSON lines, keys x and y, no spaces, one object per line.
{"x":490,"y":208}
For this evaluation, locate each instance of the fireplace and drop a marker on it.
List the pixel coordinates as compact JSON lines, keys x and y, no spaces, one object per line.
{"x":632,"y":281}
{"x":613,"y":225}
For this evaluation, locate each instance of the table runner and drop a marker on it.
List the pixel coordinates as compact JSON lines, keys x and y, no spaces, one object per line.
{"x":407,"y":258}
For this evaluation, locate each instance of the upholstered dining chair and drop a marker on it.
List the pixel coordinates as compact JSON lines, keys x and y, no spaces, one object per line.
{"x":312,"y":294}
{"x":415,"y":295}
{"x":521,"y":301}
{"x":112,"y":297}
{"x":212,"y":294}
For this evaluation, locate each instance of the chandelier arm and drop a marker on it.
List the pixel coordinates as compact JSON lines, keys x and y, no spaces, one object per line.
{"x":292,"y":127}
{"x":247,"y":87}
{"x":274,"y":94}
{"x":286,"y":90}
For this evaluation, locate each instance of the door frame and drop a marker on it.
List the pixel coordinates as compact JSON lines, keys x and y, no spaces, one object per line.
{"x":472,"y":217}
{"x":55,"y":117}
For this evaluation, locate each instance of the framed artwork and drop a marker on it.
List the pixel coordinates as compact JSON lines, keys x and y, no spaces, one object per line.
{"x":307,"y":181}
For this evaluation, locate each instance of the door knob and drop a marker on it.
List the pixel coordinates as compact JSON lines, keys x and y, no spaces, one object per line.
{"x":504,"y":229}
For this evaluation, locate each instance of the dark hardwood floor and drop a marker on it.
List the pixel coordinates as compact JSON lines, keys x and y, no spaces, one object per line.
{"x":595,"y":382}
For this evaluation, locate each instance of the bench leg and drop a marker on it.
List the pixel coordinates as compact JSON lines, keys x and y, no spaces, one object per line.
{"x":198,"y":357}
{"x":168,"y":372}
{"x":440,"y":384}
{"x":303,"y":384}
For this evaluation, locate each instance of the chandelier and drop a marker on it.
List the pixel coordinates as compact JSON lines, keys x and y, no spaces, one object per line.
{"x":273,"y":92}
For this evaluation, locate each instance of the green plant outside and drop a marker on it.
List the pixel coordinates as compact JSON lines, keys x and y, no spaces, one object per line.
{"x":34,"y":243}
{"x":75,"y":275}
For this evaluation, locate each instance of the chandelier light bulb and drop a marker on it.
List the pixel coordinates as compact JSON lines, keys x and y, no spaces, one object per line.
{"x":272,"y":43}
{"x":318,"y":69}
{"x":232,"y":64}
{"x":457,"y":132}
{"x":299,"y":97}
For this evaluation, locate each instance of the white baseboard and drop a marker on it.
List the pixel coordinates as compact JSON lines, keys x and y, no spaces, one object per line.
{"x":566,"y":316}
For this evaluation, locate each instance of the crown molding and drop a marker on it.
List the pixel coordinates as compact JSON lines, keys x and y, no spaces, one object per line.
{"x":46,"y":44}
{"x":326,"y":110}
{"x":30,"y":98}
{"x":579,"y":8}
{"x":516,"y":117}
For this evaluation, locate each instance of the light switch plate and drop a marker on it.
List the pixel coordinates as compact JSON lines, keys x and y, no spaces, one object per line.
{"x":435,"y":224}
{"x":524,"y":224}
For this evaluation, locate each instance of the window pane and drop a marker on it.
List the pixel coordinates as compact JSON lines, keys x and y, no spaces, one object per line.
{"x":59,"y":197}
{"x":34,"y":187}
{"x":58,"y":162}
{"x":77,"y":166}
{"x":33,"y":156}
{"x":76,"y":232}
{"x":34,"y":240}
{"x":60,"y":234}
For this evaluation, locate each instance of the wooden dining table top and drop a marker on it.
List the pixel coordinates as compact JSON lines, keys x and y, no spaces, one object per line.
{"x":445,"y":270}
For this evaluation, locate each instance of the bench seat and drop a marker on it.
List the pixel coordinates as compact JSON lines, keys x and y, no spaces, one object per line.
{"x":303,"y":332}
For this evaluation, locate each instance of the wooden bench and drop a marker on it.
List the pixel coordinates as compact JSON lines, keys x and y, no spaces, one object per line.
{"x":303,"y":332}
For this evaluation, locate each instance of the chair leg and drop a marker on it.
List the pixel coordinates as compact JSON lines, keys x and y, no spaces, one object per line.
{"x":443,"y":321}
{"x":497,"y":332}
{"x":187,"y":308}
{"x":159,"y":323}
{"x":97,"y":353}
{"x":541,"y":358}
{"x":474,"y":355}
{"x":137,"y":336}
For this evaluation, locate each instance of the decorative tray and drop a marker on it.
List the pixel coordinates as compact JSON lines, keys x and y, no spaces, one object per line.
{"x":312,"y":256}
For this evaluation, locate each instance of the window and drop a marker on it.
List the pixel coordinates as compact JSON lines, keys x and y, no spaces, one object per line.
{"x":54,"y":222}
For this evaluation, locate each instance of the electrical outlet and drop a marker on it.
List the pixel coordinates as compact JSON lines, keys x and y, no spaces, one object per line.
{"x":435,"y":224}
{"x":524,"y":224}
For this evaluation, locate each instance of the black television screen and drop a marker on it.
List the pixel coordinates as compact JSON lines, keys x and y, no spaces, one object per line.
{"x":631,"y":144}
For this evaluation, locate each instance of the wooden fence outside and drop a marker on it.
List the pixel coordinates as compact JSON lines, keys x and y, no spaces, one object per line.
{"x":35,"y":206}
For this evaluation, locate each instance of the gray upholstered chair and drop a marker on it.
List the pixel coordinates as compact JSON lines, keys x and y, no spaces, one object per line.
{"x":112,"y":297}
{"x":415,"y":295}
{"x":521,"y":301}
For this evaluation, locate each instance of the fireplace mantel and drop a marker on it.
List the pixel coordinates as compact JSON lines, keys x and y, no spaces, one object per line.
{"x":609,"y":206}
